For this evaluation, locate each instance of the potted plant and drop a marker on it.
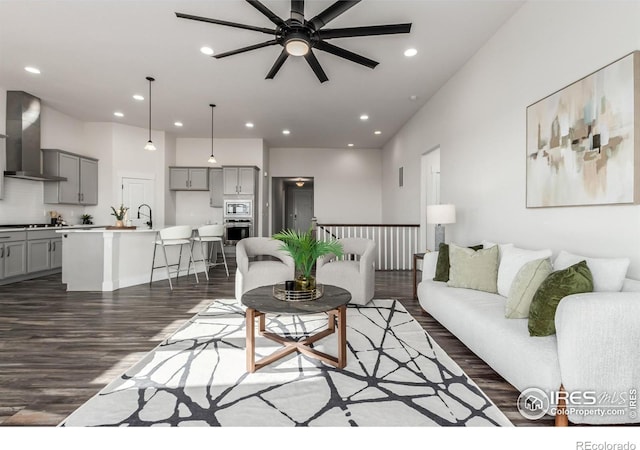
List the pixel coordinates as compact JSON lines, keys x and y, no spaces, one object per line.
{"x":86,"y":219}
{"x":305,"y":250}
{"x":119,"y":213}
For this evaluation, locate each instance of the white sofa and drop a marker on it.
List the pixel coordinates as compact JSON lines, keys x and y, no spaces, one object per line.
{"x":595,"y":347}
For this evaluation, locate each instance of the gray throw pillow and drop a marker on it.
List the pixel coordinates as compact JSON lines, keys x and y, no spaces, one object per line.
{"x":473,"y":269}
{"x":524,"y":286}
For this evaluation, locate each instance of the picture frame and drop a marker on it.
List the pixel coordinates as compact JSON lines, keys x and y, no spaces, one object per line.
{"x":583,"y":140}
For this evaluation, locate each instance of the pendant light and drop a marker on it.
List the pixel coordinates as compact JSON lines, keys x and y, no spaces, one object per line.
{"x":212,"y":159}
{"x":150,"y":145}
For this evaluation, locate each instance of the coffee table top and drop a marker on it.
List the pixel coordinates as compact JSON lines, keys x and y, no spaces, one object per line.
{"x":262,"y":299}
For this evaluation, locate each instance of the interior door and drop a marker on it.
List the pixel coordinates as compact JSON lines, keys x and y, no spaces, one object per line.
{"x":136,"y":192}
{"x":302,"y":209}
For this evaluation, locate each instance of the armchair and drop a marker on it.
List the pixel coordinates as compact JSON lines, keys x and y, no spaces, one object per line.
{"x":252,"y":273}
{"x":356,"y":276}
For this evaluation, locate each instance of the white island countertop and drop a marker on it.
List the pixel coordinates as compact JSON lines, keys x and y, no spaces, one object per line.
{"x":100,"y":259}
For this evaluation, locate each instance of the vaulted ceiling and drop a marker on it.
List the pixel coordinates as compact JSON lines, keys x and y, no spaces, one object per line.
{"x":94,"y":56}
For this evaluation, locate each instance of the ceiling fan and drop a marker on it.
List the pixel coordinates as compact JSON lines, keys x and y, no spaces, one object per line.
{"x":299,"y":36}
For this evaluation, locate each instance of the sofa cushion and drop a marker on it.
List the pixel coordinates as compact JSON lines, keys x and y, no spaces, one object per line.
{"x":512,"y":260}
{"x":473,"y":269}
{"x":608,"y":273}
{"x":477,"y":319}
{"x":501,"y":247}
{"x":524,"y":286}
{"x":574,"y":279}
{"x":443,"y":266}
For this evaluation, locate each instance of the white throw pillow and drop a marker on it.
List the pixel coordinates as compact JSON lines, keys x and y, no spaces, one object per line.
{"x":501,"y":247}
{"x":513,"y":259}
{"x":608,"y":273}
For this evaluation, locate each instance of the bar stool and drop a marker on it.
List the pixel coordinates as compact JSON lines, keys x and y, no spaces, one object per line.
{"x":172,"y":236}
{"x":211,"y":234}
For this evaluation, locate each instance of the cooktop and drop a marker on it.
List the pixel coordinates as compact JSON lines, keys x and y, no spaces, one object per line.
{"x":33,"y":225}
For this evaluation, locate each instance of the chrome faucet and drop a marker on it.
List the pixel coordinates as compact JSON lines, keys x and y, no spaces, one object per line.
{"x":150,"y":222}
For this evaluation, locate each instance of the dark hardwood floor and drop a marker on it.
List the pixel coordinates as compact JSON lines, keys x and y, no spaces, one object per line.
{"x":58,"y":348}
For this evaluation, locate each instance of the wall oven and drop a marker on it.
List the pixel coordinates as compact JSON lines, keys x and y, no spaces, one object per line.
{"x":238,"y":220}
{"x":237,"y":229}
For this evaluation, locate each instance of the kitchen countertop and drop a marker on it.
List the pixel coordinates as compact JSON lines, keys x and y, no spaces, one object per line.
{"x":67,"y":227}
{"x":103,"y":230}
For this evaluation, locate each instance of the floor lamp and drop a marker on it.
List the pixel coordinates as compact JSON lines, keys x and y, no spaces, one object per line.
{"x":440,"y":215}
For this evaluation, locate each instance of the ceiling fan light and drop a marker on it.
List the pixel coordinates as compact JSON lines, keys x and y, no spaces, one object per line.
{"x":150,"y":146}
{"x":297,"y":47}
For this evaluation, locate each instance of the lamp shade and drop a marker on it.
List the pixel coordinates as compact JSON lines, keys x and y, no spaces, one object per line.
{"x":441,"y":214}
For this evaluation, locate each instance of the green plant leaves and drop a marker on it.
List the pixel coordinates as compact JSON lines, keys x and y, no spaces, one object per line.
{"x":305,"y":249}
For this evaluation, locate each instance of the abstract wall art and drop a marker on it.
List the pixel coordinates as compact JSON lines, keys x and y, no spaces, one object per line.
{"x":582,"y":141}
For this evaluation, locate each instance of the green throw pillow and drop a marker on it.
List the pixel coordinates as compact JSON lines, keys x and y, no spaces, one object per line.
{"x":524,"y":286}
{"x":471,"y":269}
{"x":442,"y":265}
{"x":575,"y":279}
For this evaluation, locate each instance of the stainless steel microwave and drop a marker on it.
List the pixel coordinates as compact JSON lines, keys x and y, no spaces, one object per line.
{"x":238,"y":208}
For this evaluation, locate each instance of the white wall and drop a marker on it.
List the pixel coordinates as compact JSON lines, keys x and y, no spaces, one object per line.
{"x":192,"y":208}
{"x":478,"y":120}
{"x":347,"y":185}
{"x":23,"y":200}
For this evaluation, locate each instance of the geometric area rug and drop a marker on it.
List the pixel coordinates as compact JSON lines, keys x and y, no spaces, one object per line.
{"x":396,"y":375}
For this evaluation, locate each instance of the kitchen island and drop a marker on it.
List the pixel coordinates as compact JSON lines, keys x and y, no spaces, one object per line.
{"x":101,"y":259}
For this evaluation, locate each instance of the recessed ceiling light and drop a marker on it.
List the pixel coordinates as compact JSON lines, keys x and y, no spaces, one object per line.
{"x":32,"y":70}
{"x":178,"y":124}
{"x":350,"y":145}
{"x":206,"y":50}
{"x":410,"y":52}
{"x":413,"y":97}
{"x":118,"y":114}
{"x":138,"y":97}
{"x":248,"y":125}
{"x":377,"y":132}
{"x":364,"y":117}
{"x":286,"y":132}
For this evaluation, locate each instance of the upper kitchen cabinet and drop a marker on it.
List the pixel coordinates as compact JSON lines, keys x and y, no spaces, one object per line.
{"x":216,"y":188}
{"x":188,"y":178}
{"x":240,"y":180}
{"x":81,"y":172}
{"x":3,"y":161}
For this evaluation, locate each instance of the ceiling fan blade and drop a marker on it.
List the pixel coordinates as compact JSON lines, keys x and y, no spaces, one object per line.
{"x":315,"y":65}
{"x":331,"y":13}
{"x":374,"y":30}
{"x":276,"y":66}
{"x":267,"y":12}
{"x":246,"y":49}
{"x":297,"y":11}
{"x":225,"y":23}
{"x":346,"y":54}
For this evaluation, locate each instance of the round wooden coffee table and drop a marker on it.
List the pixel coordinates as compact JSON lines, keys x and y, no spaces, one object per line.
{"x":260,"y":301}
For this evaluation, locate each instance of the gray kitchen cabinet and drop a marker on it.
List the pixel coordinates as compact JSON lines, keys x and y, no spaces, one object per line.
{"x":240,"y":180}
{"x":189,"y":178}
{"x":216,"y":188}
{"x":81,"y":187}
{"x":88,"y":181}
{"x":44,"y":254}
{"x":14,"y":258}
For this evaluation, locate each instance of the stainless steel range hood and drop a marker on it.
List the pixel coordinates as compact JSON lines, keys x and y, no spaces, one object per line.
{"x":24,"y":158}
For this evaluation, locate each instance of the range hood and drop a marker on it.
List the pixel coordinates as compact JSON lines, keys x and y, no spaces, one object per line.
{"x":24,"y":158}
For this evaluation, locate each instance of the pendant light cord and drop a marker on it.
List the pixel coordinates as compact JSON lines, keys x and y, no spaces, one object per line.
{"x":150,"y":80}
{"x":212,"y":106}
